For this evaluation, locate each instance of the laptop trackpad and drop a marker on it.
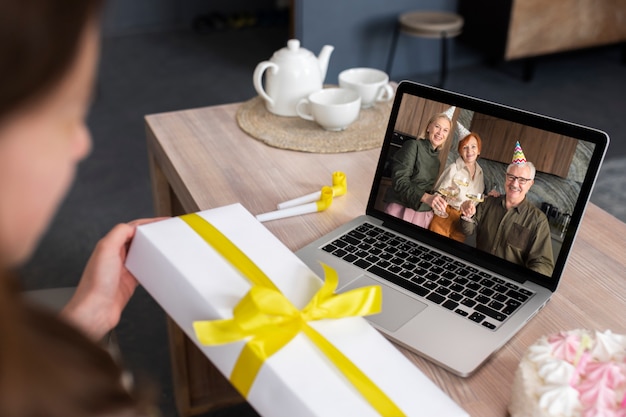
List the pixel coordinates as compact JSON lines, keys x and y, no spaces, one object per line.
{"x":398,"y":308}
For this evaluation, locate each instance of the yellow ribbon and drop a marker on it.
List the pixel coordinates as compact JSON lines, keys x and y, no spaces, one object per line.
{"x":268,"y":320}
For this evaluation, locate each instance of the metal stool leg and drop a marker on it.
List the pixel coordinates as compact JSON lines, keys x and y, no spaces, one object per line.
{"x":392,"y":50}
{"x":443,"y":71}
{"x":528,"y":70}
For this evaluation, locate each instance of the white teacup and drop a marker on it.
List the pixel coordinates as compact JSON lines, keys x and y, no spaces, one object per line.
{"x":371,"y":84}
{"x":332,"y":108}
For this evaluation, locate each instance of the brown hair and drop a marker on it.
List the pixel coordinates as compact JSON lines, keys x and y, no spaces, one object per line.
{"x":466,"y":139}
{"x":39,"y":40}
{"x":47,"y":367}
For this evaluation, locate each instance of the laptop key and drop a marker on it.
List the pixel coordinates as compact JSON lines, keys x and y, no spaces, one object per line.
{"x":431,"y":276}
{"x":482,"y":299}
{"x":496,"y":305}
{"x":440,"y":262}
{"x":383,"y":264}
{"x":329,"y":248}
{"x":443,"y":281}
{"x":473,"y":286}
{"x":477,"y":317}
{"x":404,"y":283}
{"x":351,"y":240}
{"x":435,"y":298}
{"x":450,"y":305}
{"x":509,"y":309}
{"x":406,"y":274}
{"x":463,"y":272}
{"x":430,"y":285}
{"x":371,"y":258}
{"x":421,"y":291}
{"x":442,"y":290}
{"x":517,"y":295}
{"x":461,"y":280}
{"x":386,"y":255}
{"x":418,"y":280}
{"x":469,"y":293}
{"x":487,"y":282}
{"x":350,"y":258}
{"x":449,"y":275}
{"x":468,"y":302}
{"x":362,"y":263}
{"x":455,"y":296}
{"x":490,"y":312}
{"x":437,"y":269}
{"x":525,"y":291}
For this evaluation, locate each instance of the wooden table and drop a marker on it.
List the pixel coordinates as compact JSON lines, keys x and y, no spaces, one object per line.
{"x":200,"y":159}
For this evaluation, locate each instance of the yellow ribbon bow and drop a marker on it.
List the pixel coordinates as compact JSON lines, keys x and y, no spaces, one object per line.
{"x":267,"y":320}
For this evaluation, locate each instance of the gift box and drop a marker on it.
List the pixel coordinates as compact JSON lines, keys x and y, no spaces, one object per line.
{"x":246,"y":301}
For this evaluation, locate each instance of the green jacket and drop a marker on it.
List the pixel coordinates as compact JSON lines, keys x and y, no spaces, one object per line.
{"x":414,"y":170}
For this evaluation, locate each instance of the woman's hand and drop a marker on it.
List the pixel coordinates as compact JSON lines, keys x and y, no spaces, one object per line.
{"x":436,"y":201}
{"x":106,"y":285}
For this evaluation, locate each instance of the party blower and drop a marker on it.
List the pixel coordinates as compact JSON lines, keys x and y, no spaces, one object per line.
{"x":339,"y":187}
{"x":325,"y":200}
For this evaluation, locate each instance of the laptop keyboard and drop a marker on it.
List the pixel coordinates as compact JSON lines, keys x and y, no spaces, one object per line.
{"x":476,"y":295}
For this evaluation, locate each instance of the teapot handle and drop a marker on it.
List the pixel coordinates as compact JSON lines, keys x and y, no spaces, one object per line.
{"x":257,"y":79}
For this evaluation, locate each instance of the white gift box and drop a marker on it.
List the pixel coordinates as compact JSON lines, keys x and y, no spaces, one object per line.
{"x":192,"y":282}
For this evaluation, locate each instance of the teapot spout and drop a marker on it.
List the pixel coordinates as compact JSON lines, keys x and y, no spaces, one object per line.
{"x":323,"y":59}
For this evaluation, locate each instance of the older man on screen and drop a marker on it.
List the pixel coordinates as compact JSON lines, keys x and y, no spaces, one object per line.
{"x":509,"y":226}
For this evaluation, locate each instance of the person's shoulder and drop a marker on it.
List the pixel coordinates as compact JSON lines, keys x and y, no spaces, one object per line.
{"x":410,"y":143}
{"x":533,"y":209}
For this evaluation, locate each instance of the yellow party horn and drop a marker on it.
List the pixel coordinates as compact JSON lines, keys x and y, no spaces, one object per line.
{"x":326,"y":199}
{"x":339,"y":187}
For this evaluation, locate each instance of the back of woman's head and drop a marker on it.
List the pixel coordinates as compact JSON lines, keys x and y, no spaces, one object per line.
{"x":39,"y":40}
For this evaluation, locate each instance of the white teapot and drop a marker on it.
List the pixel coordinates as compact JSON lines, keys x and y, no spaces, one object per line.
{"x":292,"y":74}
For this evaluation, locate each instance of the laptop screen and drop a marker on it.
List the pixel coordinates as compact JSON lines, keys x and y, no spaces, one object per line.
{"x":528,"y":177}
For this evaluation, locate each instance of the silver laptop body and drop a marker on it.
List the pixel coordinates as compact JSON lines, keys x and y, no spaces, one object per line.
{"x":434,"y":312}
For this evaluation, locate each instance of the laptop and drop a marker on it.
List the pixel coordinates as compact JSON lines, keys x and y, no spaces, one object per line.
{"x":444,"y":299}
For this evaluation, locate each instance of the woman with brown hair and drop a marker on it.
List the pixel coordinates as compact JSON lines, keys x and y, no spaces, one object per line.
{"x":52,"y":366}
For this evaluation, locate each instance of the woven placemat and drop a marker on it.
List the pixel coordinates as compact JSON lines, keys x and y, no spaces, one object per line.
{"x":294,"y":133}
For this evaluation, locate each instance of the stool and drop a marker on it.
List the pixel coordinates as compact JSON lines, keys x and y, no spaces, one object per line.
{"x":442,"y":25}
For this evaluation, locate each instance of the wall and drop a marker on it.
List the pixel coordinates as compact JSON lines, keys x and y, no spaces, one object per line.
{"x":124,"y":17}
{"x":361,"y":32}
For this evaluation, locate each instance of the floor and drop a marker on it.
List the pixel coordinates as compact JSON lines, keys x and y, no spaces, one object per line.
{"x":152,"y":73}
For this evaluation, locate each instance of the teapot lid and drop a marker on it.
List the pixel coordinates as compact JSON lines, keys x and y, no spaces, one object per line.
{"x":292,"y":50}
